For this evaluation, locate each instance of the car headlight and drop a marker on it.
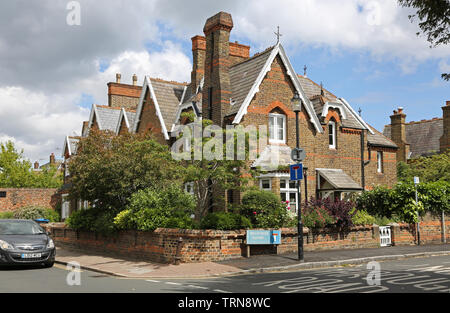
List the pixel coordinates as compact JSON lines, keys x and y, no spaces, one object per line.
{"x":5,"y":246}
{"x":50,"y":244}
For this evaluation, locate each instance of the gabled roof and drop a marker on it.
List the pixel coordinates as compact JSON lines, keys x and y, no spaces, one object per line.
{"x":423,"y":136}
{"x":338,"y":179}
{"x":128,"y":116}
{"x":166,"y":96}
{"x":71,"y":143}
{"x":378,"y":139}
{"x":106,"y":117}
{"x":262,"y":64}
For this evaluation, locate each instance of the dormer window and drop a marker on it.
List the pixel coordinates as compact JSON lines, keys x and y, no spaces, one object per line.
{"x":277,"y":128}
{"x":332,"y":134}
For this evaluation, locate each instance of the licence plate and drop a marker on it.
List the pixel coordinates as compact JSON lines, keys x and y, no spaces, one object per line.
{"x":31,"y":255}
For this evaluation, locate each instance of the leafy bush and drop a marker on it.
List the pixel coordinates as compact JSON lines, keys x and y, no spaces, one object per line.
{"x":264,"y":209}
{"x":151,"y":208}
{"x":6,"y":215}
{"x":95,"y":220}
{"x":225,"y":221}
{"x":35,"y":212}
{"x":363,"y":218}
{"x":316,"y":217}
{"x":340,"y":210}
{"x":399,"y":203}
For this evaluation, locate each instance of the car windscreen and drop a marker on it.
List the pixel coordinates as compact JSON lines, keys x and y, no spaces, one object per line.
{"x":20,"y":228}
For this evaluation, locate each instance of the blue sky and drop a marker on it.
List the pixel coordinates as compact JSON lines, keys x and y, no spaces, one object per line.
{"x":365,"y":51}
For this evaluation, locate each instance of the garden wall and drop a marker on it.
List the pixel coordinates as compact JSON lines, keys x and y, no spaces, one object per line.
{"x":14,"y":198}
{"x":214,"y":245}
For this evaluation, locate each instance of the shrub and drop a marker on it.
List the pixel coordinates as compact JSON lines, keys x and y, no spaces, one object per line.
{"x":378,"y":201}
{"x":363,"y":218}
{"x":151,"y":208}
{"x":6,"y":215}
{"x":316,"y":217}
{"x":340,"y":210}
{"x":225,"y":221}
{"x":35,"y":212}
{"x":92,"y":219}
{"x":264,"y":209}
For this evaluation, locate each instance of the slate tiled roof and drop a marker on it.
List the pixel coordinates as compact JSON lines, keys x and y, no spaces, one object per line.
{"x":131,"y":115}
{"x":168,"y":95}
{"x":378,"y":139}
{"x":243,"y":75}
{"x":338,"y":179}
{"x":422,"y":136}
{"x":107,"y":117}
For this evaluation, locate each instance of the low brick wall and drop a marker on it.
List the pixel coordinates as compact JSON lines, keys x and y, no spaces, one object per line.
{"x":214,"y":245}
{"x":14,"y":198}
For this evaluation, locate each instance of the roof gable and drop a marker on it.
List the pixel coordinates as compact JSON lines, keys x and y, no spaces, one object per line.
{"x":269,"y":57}
{"x":166,"y":97}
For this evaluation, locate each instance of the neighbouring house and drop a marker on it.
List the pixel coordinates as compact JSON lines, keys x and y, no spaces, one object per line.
{"x":344,"y":154}
{"x":422,"y":138}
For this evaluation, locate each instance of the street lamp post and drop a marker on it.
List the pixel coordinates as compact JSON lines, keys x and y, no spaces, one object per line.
{"x":296,"y":105}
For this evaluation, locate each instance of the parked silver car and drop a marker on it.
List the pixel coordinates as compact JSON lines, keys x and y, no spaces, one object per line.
{"x":25,"y":242}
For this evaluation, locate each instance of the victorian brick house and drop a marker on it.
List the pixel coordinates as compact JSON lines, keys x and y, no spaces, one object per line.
{"x":422,"y":138}
{"x":344,"y":154}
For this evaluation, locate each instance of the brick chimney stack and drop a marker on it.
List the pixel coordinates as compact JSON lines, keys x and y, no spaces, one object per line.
{"x":217,"y":87}
{"x":398,"y":134}
{"x":198,"y":61}
{"x":444,"y":141}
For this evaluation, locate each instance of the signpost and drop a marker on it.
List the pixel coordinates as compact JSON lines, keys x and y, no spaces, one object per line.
{"x":416,"y":182}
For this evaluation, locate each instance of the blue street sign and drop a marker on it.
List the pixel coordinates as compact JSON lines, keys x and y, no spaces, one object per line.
{"x":263,"y":237}
{"x":296,"y":171}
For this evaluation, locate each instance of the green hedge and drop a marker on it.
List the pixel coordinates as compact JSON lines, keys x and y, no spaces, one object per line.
{"x":31,"y":213}
{"x":399,"y":203}
{"x":225,"y":221}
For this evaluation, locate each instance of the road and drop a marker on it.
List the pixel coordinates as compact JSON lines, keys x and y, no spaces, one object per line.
{"x":429,"y":275}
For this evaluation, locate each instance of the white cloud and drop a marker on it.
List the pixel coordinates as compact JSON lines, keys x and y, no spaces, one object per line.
{"x":36,"y":122}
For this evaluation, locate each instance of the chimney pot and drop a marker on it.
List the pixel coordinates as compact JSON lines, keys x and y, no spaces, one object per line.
{"x":36,"y":165}
{"x":118,"y":78}
{"x":400,"y":110}
{"x":134,"y":80}
{"x":447,"y":103}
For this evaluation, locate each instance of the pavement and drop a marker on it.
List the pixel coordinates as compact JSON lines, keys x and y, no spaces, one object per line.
{"x":128,"y":268}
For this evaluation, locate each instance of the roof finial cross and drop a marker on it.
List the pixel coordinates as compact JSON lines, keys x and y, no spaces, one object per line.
{"x":278,"y":34}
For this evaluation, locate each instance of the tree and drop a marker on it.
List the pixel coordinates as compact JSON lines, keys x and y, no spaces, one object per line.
{"x":428,"y":169}
{"x":434,"y":21}
{"x":109,"y":169}
{"x":15,"y":171}
{"x":212,"y":173}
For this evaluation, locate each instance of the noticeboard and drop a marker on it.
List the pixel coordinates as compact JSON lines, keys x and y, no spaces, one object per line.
{"x":263,"y":237}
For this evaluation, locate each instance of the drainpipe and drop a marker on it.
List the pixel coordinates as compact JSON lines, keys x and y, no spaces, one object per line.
{"x":363,"y":178}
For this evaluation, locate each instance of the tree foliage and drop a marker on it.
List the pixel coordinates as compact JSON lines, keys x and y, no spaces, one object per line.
{"x":16,"y":172}
{"x":109,"y":169}
{"x":428,"y":169}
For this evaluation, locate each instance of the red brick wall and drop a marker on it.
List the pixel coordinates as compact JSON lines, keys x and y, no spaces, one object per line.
{"x":20,"y":197}
{"x":215,"y":245}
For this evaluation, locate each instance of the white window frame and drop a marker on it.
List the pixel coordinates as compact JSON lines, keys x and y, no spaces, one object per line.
{"x":275,"y":127}
{"x":379,"y":161}
{"x":287,"y":190}
{"x":332,"y":135}
{"x":261,"y":184}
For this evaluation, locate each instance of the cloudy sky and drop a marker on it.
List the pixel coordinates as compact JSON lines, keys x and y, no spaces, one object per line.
{"x":52,"y":69}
